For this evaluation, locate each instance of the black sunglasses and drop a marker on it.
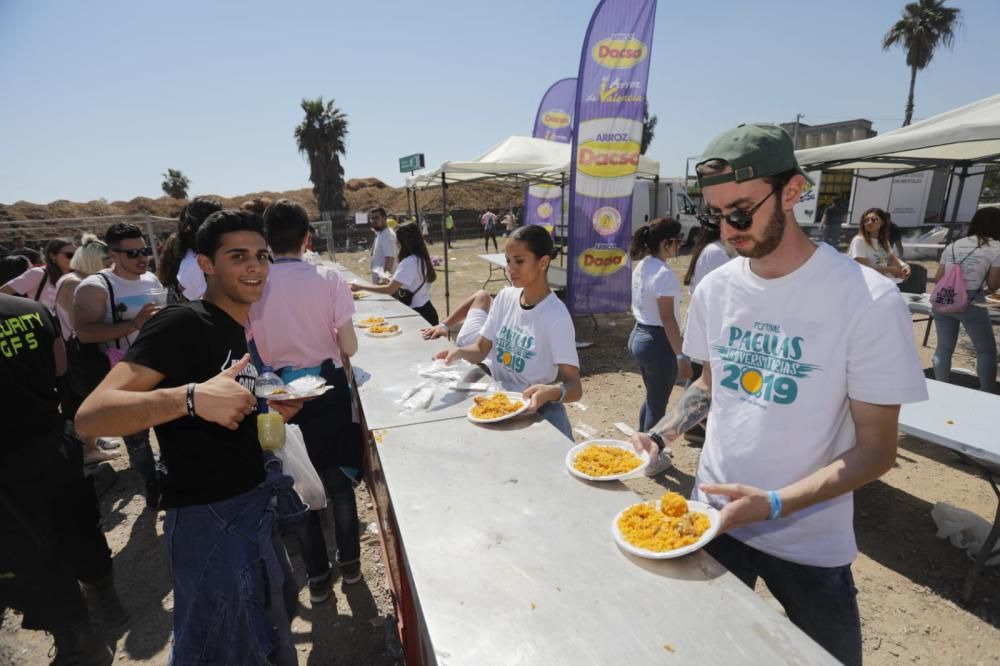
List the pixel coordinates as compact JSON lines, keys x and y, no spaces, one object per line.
{"x":738,"y":219}
{"x":135,"y":254}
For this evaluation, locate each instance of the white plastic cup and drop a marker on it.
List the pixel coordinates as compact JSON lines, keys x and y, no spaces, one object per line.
{"x":158,"y":296}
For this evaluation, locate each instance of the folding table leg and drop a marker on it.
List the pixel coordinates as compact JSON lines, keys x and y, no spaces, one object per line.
{"x":927,"y":331}
{"x":987,"y":549}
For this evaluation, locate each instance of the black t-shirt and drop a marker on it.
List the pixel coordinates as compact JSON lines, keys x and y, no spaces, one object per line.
{"x":27,"y":365}
{"x":205,"y":462}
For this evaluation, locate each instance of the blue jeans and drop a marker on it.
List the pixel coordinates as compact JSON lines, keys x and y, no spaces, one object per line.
{"x":234,"y":594}
{"x":657,"y":361}
{"x":346,"y":527}
{"x":976,"y":320}
{"x":555,"y":413}
{"x":821,"y":601}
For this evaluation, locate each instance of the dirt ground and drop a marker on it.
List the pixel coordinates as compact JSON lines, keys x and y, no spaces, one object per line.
{"x":909,"y":581}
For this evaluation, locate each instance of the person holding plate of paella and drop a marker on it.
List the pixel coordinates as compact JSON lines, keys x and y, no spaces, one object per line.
{"x":528,"y":336}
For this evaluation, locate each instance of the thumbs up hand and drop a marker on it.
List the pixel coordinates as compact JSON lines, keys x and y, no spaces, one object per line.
{"x":222,"y":399}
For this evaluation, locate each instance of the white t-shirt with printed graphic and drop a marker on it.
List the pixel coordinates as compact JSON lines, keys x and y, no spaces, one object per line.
{"x":653,"y":279}
{"x":786,"y":356}
{"x":409,"y":275}
{"x":130,"y":296}
{"x":976,"y":260}
{"x":529,"y":345}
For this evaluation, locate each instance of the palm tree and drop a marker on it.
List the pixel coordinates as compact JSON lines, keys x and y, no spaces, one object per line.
{"x":648,"y":127}
{"x":321,"y":138}
{"x":175,"y":184}
{"x":924,"y":25}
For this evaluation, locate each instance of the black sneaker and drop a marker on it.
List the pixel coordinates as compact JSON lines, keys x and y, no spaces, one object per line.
{"x":351,"y":573}
{"x":319,"y":587}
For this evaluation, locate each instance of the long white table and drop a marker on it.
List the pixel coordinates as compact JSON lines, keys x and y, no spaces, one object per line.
{"x":512,"y":562}
{"x":963,"y":420}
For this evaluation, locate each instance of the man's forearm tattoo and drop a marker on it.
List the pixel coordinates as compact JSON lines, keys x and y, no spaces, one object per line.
{"x":689,"y":411}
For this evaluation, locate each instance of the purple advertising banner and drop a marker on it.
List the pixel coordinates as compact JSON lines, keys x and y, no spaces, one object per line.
{"x":554,"y":122}
{"x":607,"y":135}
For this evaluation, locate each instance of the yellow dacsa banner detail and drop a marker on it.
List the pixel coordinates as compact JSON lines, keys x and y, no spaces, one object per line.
{"x":619,"y":53}
{"x":600,"y":262}
{"x":556,"y":119}
{"x":608,"y":159}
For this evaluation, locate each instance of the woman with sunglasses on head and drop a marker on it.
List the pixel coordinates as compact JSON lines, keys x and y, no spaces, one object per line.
{"x":39,"y":283}
{"x":655,"y":341}
{"x":411,"y":283}
{"x":871,"y":246}
{"x":528,"y":336}
{"x":92,"y":256}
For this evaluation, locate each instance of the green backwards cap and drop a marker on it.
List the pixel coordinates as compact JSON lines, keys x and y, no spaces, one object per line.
{"x":753,"y":151}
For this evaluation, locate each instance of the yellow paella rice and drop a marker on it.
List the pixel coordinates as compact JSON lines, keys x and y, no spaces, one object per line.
{"x":372,"y":321}
{"x":494,"y":406}
{"x":645,"y":527}
{"x":597,"y":460}
{"x":673,"y":504}
{"x":379,"y":330}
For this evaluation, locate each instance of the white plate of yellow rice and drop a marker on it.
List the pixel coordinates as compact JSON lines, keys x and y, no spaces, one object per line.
{"x":605,"y":460}
{"x":660,"y":538}
{"x":495,"y":407}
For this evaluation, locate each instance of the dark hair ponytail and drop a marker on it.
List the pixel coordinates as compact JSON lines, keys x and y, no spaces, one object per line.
{"x":648,"y":238}
{"x":538,"y":240}
{"x":706,"y":237}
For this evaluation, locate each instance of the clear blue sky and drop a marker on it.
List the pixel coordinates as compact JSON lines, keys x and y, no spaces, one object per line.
{"x":100,"y":97}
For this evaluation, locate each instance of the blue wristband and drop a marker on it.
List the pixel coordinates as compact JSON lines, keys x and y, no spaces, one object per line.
{"x":775,"y":501}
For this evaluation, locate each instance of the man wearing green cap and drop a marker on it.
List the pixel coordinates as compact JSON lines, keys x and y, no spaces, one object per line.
{"x":807,"y":356}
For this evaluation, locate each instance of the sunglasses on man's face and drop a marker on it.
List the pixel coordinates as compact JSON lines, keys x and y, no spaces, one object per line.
{"x":738,"y":219}
{"x":135,"y":254}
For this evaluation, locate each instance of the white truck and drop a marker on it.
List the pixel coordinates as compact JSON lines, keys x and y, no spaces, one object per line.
{"x":913,"y":200}
{"x":669,"y":199}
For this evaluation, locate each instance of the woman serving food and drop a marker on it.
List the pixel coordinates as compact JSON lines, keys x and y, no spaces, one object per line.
{"x":528,"y":335}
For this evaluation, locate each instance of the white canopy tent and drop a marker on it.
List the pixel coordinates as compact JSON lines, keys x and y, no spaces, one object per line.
{"x":521,"y":158}
{"x":958,"y":140}
{"x":527,"y":158}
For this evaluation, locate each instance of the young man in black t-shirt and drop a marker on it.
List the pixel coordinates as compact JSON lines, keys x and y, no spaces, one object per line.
{"x":188,"y":375}
{"x":38,"y":569}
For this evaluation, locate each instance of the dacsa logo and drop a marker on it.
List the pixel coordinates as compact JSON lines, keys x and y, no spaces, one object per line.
{"x":619,"y":53}
{"x":556,"y":119}
{"x":608,"y":159}
{"x":602,"y":262}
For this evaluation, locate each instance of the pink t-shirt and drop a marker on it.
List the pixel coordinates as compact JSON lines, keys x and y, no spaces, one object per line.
{"x":27,"y":283}
{"x":294,"y":324}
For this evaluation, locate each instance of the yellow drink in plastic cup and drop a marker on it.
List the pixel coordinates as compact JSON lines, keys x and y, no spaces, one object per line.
{"x":271,"y":431}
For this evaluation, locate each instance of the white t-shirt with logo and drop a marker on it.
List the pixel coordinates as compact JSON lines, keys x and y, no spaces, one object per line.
{"x":384,"y":246}
{"x":860,"y":249}
{"x":653,"y":279}
{"x":977,"y":260}
{"x":786,"y":356}
{"x":191,"y":277}
{"x":712,"y":256}
{"x":130,"y":296}
{"x":529,"y":345}
{"x":409,"y":275}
